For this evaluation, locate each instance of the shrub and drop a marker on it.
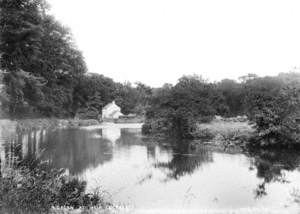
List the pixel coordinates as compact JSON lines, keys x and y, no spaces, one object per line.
{"x":40,"y":189}
{"x":174,"y":110}
{"x":273,"y":107}
{"x":87,"y":113}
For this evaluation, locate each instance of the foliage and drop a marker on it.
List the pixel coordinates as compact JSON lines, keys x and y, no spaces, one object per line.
{"x":38,"y":58}
{"x":92,"y":92}
{"x":225,"y":129}
{"x":231,"y":92}
{"x":39,"y":189}
{"x":126,"y":97}
{"x":273,"y":104}
{"x":174,"y":110}
{"x":133,"y":99}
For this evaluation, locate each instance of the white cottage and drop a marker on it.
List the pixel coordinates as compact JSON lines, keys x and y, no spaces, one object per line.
{"x":111,"y":111}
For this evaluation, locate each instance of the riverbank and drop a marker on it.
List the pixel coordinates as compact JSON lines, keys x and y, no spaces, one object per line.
{"x":224,"y":133}
{"x":114,"y":125}
{"x":220,"y":133}
{"x":134,"y":119}
{"x":24,"y":125}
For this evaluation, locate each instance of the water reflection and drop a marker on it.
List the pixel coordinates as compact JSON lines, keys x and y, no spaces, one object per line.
{"x":77,"y":150}
{"x":150,"y":174}
{"x":185,"y":161}
{"x":112,"y":134}
{"x":20,"y":147}
{"x":272,"y":165}
{"x":129,"y":137}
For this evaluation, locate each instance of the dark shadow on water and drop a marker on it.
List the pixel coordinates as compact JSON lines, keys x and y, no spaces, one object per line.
{"x":77,"y":150}
{"x":185,"y":160}
{"x":129,"y":137}
{"x":271,"y":166}
{"x":74,"y":150}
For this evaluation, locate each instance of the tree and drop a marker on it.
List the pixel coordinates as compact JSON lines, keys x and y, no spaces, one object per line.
{"x":273,"y":103}
{"x":127,"y":97}
{"x":175,"y":110}
{"x":232,"y":97}
{"x":20,"y":25}
{"x":92,"y":93}
{"x":36,"y":50}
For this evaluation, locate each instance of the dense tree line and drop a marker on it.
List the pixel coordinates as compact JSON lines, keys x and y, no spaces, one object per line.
{"x":271,"y":103}
{"x":40,"y":62}
{"x":44,"y":72}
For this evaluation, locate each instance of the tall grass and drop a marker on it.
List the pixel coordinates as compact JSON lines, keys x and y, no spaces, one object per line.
{"x":38,"y":190}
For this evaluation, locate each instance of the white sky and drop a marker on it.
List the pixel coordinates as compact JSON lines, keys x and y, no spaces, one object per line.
{"x":158,"y":41}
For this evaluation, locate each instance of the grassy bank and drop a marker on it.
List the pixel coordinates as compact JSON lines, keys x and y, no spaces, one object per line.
{"x":226,"y":129}
{"x":216,"y":132}
{"x":224,"y":133}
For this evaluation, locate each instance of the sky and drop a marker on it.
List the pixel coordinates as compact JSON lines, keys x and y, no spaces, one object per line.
{"x":158,"y":41}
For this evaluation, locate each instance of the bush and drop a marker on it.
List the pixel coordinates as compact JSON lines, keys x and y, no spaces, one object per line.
{"x":273,"y":107}
{"x":87,"y":113}
{"x":155,"y":126}
{"x":174,"y":110}
{"x":40,"y":189}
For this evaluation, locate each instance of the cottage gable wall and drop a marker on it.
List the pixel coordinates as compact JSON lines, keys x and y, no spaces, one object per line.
{"x":111,"y":111}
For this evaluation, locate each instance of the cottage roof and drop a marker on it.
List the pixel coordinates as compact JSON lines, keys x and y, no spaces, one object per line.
{"x":109,"y":105}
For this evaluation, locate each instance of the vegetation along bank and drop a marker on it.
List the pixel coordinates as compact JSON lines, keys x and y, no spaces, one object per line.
{"x":271,"y":105}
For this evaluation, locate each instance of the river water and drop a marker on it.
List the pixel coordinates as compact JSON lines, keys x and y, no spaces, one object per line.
{"x":144,"y":174}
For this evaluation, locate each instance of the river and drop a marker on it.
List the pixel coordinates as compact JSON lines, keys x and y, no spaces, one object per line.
{"x":143,"y":174}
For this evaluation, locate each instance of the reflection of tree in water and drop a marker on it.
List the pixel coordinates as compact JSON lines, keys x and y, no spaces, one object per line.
{"x":130,"y":137}
{"x":75,"y":150}
{"x":185,"y":161}
{"x":18,"y":147}
{"x":271,"y":165}
{"x":72,"y":149}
